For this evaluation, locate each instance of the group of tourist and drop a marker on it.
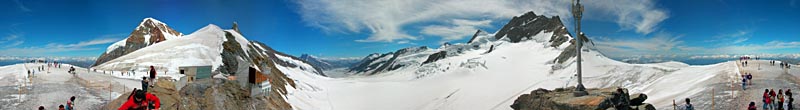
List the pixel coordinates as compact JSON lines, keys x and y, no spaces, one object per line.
{"x":774,"y":101}
{"x":70,"y":105}
{"x":746,"y":80}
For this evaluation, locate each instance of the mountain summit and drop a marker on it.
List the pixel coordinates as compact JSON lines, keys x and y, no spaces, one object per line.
{"x":150,"y":31}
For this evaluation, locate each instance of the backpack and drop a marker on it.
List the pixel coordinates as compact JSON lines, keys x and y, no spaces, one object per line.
{"x":689,"y":107}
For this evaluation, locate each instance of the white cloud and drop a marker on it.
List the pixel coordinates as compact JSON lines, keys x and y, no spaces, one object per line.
{"x":640,"y":15}
{"x":668,"y":46}
{"x":16,"y":43}
{"x":736,"y":37}
{"x":85,"y":43}
{"x":459,"y":29}
{"x":660,"y":44}
{"x":11,"y":41}
{"x":386,"y":20}
{"x":12,"y":50}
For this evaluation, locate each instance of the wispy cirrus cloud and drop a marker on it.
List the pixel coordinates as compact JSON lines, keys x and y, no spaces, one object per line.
{"x":732,"y":38}
{"x":22,"y":6}
{"x":387,"y":20}
{"x":667,"y":44}
{"x":14,"y":50}
{"x":660,"y":43}
{"x":11,"y":40}
{"x":458,"y":30}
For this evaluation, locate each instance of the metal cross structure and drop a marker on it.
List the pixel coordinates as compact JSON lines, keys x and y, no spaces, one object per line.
{"x":577,"y":12}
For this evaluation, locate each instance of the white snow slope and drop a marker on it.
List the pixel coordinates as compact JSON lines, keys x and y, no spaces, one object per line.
{"x":475,"y":80}
{"x":201,"y":48}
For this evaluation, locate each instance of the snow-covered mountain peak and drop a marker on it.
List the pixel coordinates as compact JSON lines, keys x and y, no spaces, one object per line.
{"x":209,"y":28}
{"x":151,"y":20}
{"x":529,"y":25}
{"x":150,"y":31}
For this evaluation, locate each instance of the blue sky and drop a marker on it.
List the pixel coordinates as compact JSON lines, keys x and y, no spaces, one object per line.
{"x":355,"y":28}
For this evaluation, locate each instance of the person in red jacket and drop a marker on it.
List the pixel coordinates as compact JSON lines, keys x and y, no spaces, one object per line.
{"x":767,"y":100}
{"x":141,"y":100}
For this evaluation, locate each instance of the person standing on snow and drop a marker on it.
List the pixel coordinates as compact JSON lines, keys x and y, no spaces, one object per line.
{"x":780,"y":99}
{"x":766,"y":98}
{"x":772,"y":97}
{"x":789,"y":106}
{"x":152,"y":75}
{"x":144,"y":84}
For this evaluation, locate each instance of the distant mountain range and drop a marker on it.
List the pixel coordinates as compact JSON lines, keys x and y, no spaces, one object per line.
{"x":77,"y":61}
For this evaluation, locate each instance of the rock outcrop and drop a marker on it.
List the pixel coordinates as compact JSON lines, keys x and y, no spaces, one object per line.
{"x":474,"y":36}
{"x":435,"y":56}
{"x":529,"y":24}
{"x":598,"y":99}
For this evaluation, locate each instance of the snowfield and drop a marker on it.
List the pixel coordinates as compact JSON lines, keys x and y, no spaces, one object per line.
{"x":478,"y":80}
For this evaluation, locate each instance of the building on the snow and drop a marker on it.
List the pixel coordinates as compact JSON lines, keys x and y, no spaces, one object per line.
{"x":195,"y":72}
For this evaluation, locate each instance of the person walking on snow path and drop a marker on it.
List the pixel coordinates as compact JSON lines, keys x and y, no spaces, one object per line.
{"x":71,"y":103}
{"x":688,"y":105}
{"x":744,"y":83}
{"x":750,"y":77}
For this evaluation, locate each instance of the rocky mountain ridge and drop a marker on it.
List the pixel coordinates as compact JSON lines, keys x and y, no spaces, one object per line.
{"x":150,"y":31}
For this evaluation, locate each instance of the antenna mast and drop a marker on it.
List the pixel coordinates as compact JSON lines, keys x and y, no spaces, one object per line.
{"x":577,"y":12}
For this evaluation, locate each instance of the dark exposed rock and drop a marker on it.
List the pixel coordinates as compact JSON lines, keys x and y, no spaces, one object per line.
{"x":271,"y":54}
{"x":562,"y":99}
{"x":570,"y":51}
{"x":232,"y":54}
{"x":436,"y":56}
{"x":474,"y":36}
